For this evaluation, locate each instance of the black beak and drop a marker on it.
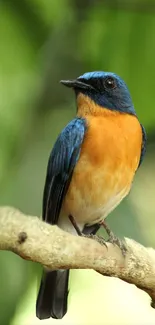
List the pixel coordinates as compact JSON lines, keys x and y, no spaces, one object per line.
{"x":76,"y":84}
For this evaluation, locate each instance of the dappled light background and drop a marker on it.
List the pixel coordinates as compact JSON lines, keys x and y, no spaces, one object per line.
{"x":42,"y":42}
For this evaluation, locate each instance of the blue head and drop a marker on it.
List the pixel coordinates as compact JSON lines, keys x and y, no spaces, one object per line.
{"x":105,"y":88}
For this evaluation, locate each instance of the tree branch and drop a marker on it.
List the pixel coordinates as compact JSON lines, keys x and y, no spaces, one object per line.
{"x":35,"y":240}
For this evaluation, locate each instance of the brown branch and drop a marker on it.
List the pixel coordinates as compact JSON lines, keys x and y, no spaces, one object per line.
{"x":35,"y":240}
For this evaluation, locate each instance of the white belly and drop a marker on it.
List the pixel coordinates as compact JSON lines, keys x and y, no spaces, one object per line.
{"x":89,"y":214}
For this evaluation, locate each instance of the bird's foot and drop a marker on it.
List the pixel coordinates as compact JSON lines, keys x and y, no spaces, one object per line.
{"x":99,"y":239}
{"x":117,"y":241}
{"x":114,"y":239}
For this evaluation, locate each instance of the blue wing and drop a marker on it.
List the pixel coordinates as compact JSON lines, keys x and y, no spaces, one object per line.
{"x":62,"y":161}
{"x":143,"y":149}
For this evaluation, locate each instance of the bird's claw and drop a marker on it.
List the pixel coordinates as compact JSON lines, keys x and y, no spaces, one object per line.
{"x":99,"y":239}
{"x":114,"y":239}
{"x":117,"y":241}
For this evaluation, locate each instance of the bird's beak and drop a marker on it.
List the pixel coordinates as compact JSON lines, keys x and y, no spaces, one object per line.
{"x":76,"y":84}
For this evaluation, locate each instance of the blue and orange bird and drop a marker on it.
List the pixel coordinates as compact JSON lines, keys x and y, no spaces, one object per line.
{"x":90,"y":169}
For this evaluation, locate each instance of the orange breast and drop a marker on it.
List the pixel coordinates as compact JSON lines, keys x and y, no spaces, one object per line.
{"x":109,"y":157}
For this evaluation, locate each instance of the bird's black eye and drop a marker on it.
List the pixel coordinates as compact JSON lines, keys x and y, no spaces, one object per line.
{"x":110,"y":83}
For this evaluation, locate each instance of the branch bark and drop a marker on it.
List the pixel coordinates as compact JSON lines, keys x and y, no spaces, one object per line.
{"x":35,"y":240}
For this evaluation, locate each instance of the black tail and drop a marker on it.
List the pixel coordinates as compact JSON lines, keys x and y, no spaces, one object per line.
{"x":52,"y":296}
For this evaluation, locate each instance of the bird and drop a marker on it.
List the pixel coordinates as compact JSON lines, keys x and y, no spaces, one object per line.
{"x":90,"y":169}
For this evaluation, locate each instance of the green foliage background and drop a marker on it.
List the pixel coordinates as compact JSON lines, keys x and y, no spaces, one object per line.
{"x":42,"y":42}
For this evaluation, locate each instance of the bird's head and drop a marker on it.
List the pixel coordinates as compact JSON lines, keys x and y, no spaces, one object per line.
{"x":105,"y":89}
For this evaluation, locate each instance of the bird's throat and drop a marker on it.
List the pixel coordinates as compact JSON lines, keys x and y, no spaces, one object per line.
{"x":86,"y":106}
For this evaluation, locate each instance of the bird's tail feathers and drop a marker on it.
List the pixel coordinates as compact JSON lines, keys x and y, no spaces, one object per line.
{"x":52,"y":296}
